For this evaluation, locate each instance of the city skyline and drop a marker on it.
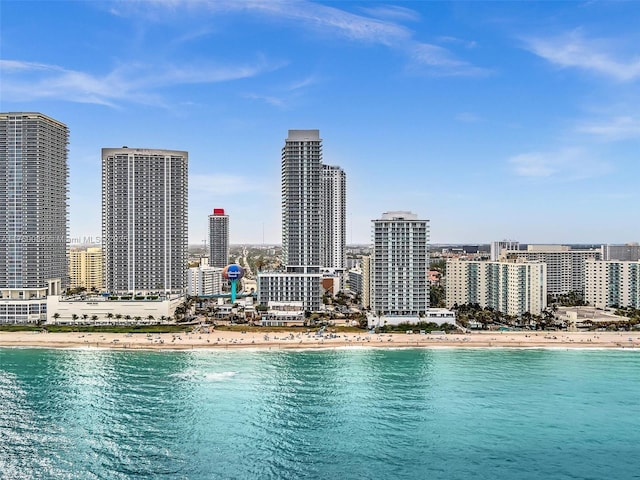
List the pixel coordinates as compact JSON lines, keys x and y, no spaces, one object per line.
{"x":492,"y":120}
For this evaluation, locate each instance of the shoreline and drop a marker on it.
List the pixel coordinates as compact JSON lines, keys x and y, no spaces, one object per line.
{"x":226,"y":340}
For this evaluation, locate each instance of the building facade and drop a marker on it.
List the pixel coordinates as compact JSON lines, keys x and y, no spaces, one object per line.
{"x":510,"y":287}
{"x":204,"y":280}
{"x":565,"y":266}
{"x":100,"y":310}
{"x":498,"y":247}
{"x":399,"y":265}
{"x":85,"y":269}
{"x":629,"y":252}
{"x":301,"y":201}
{"x":218,"y":238}
{"x":366,"y":281}
{"x":612,"y":283}
{"x":33,"y":214}
{"x":334,"y":217}
{"x":144,"y":220}
{"x":291,"y":288}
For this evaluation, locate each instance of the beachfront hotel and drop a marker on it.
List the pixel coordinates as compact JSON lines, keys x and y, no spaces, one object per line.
{"x":399,"y":264}
{"x":144,"y":220}
{"x":612,"y":283}
{"x":218,"y":238}
{"x":511,"y":287}
{"x":33,"y":214}
{"x":85,"y":269}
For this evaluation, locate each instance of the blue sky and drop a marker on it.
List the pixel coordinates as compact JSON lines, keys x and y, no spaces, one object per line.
{"x":494,"y":120}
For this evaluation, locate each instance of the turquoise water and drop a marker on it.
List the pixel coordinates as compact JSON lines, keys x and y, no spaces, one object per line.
{"x":343,"y":414}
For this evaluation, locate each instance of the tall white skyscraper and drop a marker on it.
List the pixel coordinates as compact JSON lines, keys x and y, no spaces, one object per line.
{"x":301,"y":201}
{"x":313,"y":223}
{"x":144,"y":220}
{"x":399,"y":264}
{"x":218,"y":238}
{"x":334,"y":217}
{"x":33,"y":214}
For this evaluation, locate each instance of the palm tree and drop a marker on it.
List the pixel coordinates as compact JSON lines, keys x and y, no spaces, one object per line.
{"x":56,"y":316}
{"x":94,"y":318}
{"x":150,"y":318}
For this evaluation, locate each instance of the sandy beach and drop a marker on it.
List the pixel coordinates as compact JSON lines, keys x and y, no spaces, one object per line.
{"x":297,"y":339}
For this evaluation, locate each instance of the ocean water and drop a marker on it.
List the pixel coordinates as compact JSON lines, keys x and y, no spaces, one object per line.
{"x":331,"y":414}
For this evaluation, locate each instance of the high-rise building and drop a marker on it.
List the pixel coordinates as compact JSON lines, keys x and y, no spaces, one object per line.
{"x":565,"y":265}
{"x":399,"y":265}
{"x":612,"y":283}
{"x":301,"y":201}
{"x":144,"y":220}
{"x":85,"y":268}
{"x":334,"y":217}
{"x":629,"y":252}
{"x":498,"y":247}
{"x":33,"y":214}
{"x":218,"y":238}
{"x":302,"y":211}
{"x":313,"y":224}
{"x":511,"y":287}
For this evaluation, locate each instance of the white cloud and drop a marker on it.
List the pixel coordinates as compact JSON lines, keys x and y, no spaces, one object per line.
{"x":468,"y":117}
{"x":310,"y":14}
{"x":564,"y":164}
{"x":443,"y":62}
{"x":573,"y":50}
{"x":334,"y":21}
{"x":459,"y":41}
{"x":392,"y":12}
{"x":24,"y":81}
{"x":617,"y":128}
{"x":270,"y":99}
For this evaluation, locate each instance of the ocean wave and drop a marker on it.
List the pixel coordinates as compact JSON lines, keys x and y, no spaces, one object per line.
{"x":219,"y":376}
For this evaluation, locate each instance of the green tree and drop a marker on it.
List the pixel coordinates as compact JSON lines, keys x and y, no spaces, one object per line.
{"x":436,"y":296}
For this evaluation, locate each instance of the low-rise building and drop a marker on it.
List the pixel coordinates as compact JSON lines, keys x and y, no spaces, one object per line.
{"x":439,"y":316}
{"x":204,"y":280}
{"x":27,"y":305}
{"x":283,"y":314}
{"x":79,"y":309}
